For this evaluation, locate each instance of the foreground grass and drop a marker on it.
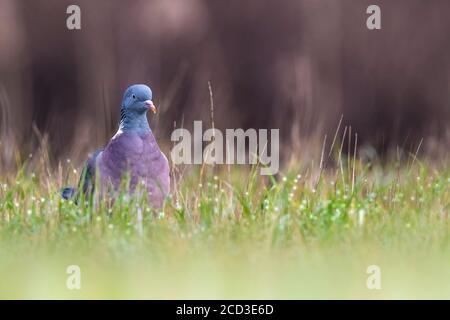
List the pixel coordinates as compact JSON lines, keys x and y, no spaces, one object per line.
{"x":233,"y":234}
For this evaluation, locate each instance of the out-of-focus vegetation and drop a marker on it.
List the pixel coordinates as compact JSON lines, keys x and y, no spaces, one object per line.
{"x":310,"y":233}
{"x":296,"y":65}
{"x":226,"y":232}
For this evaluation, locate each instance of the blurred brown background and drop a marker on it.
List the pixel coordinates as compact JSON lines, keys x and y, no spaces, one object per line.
{"x":295,"y":65}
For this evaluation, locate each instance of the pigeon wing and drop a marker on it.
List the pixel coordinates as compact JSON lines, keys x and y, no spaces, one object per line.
{"x":87,"y":177}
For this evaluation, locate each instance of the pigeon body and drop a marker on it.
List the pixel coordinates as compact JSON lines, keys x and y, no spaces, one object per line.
{"x":138,"y":154}
{"x":132,"y":150}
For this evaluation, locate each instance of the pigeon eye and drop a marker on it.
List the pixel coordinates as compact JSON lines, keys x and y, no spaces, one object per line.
{"x":134,"y":96}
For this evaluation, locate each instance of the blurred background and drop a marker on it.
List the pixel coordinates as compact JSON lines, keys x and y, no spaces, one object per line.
{"x":294,"y":65}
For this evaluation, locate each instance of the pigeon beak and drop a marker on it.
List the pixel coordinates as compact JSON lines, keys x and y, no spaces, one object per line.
{"x":150,"y":105}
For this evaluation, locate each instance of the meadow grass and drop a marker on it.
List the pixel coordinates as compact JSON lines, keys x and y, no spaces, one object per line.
{"x":231,"y":233}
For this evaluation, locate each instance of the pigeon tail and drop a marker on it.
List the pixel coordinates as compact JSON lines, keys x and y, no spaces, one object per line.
{"x":86,"y":184}
{"x":68,"y":193}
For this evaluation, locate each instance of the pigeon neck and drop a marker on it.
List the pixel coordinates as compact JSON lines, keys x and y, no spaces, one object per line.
{"x":132,"y":122}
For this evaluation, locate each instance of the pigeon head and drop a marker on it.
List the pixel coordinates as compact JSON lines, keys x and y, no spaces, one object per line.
{"x":137,"y":100}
